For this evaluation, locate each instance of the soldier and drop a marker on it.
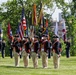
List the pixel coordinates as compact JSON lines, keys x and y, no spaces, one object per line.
{"x":3,"y":48}
{"x":67,"y":42}
{"x":35,"y":50}
{"x":11,"y":46}
{"x":25,"y":51}
{"x":56,"y":47}
{"x":50,"y":47}
{"x":44,"y":51}
{"x":17,"y":50}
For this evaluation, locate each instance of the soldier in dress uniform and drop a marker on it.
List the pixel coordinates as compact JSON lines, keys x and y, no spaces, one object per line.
{"x":44,"y":51}
{"x":11,"y":46}
{"x":25,"y":51}
{"x":3,"y":48}
{"x":67,"y":42}
{"x":17,"y":47}
{"x":50,"y":47}
{"x":35,"y":51}
{"x":56,"y":47}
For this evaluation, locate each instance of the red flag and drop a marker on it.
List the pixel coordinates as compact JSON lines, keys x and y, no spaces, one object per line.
{"x":24,"y":23}
{"x":9,"y":32}
{"x":46,"y":22}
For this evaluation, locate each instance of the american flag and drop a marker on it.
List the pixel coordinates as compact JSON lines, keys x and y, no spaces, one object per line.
{"x":23,"y":20}
{"x":20,"y":31}
{"x":22,"y":25}
{"x":9,"y":31}
{"x":63,"y":31}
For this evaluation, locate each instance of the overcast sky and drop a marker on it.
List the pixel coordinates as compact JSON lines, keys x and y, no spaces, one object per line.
{"x":3,"y":1}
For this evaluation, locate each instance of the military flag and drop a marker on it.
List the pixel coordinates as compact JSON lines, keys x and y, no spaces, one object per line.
{"x":23,"y":20}
{"x":41,"y":16}
{"x":9,"y":31}
{"x":34,"y":16}
{"x":46,"y":23}
{"x":46,"y":27}
{"x":22,"y":25}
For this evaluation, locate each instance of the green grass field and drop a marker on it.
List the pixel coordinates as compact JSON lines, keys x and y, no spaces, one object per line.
{"x":67,"y":67}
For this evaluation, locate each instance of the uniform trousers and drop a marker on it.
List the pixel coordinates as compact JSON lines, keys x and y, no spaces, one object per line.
{"x":44,"y":59}
{"x":67,"y":52}
{"x":35,"y":59}
{"x":3,"y":53}
{"x":17,"y":58}
{"x":56,"y":60}
{"x":25,"y":58}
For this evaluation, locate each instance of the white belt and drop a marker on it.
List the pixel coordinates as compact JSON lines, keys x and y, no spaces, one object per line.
{"x":42,"y":49}
{"x":32,"y":50}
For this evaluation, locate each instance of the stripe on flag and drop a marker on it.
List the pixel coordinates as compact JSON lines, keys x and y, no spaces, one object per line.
{"x":23,"y":20}
{"x":22,"y":26}
{"x":20,"y":31}
{"x":46,"y":22}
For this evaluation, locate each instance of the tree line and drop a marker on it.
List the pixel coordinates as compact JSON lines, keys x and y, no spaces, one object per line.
{"x":11,"y":12}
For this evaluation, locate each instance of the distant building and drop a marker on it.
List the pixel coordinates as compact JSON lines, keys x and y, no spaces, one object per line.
{"x":60,"y":17}
{"x":60,"y":25}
